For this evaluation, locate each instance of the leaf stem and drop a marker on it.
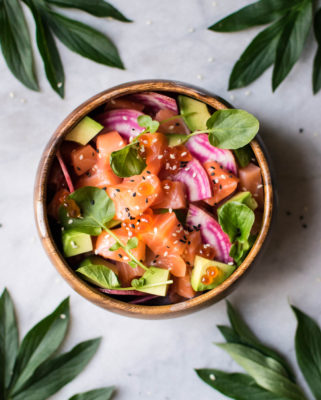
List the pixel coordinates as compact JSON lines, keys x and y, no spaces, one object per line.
{"x":124,"y":247}
{"x":169,"y":282}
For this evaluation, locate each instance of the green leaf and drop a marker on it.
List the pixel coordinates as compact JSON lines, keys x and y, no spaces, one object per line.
{"x":16,"y":44}
{"x":99,"y":8}
{"x":114,"y":247}
{"x":97,"y":394}
{"x":229,"y":334}
{"x":146,"y":121}
{"x":132,"y":264}
{"x":246,"y":336}
{"x":9,"y":341}
{"x":132,"y":243}
{"x":292,"y":41}
{"x":232,"y":129}
{"x":48,"y":50}
{"x":127,"y":162}
{"x":84,"y":40}
{"x":308,"y":350}
{"x":258,"y":13}
{"x":53,"y":374}
{"x":257,"y":57}
{"x":97,"y":209}
{"x":39,"y":344}
{"x":244,"y":155}
{"x":99,"y":275}
{"x":317,"y":60}
{"x":267,"y":372}
{"x":138,"y":283}
{"x":236,"y":386}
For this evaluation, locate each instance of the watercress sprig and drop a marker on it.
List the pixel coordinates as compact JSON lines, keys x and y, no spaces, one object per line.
{"x":97,"y":211}
{"x":127,"y":161}
{"x":269,"y":376}
{"x":31,"y":370}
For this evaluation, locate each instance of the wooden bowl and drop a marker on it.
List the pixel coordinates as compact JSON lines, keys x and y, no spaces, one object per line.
{"x":87,"y":291}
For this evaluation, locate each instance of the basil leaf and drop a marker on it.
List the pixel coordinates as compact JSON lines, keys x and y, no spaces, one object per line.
{"x":308,"y":350}
{"x":317,"y":60}
{"x":97,"y":209}
{"x":236,"y":386}
{"x":138,"y":283}
{"x":16,"y":44}
{"x":114,"y":247}
{"x":132,"y":264}
{"x":232,"y":129}
{"x":146,"y":121}
{"x":132,"y":243}
{"x":99,"y":8}
{"x":258,"y":13}
{"x":99,"y":275}
{"x":244,"y":155}
{"x":48,"y":50}
{"x":236,"y":220}
{"x":9,"y":341}
{"x":55,"y":373}
{"x":257,"y":57}
{"x":84,"y":40}
{"x":240,"y":333}
{"x":39,"y":344}
{"x":267,"y":372}
{"x":292,"y":41}
{"x":127,"y":162}
{"x":97,"y":394}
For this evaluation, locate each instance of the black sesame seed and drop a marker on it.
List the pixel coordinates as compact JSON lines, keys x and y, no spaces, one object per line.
{"x":143,"y":178}
{"x":104,"y":188}
{"x":120,"y":256}
{"x":134,"y":194}
{"x":88,"y":174}
{"x":148,"y":172}
{"x":126,"y":209}
{"x":189,"y":242}
{"x":182,"y":241}
{"x":132,"y":225}
{"x":131,"y":180}
{"x":304,"y":226}
{"x":301,"y":130}
{"x":177,"y":123}
{"x":213,"y":174}
{"x":93,"y":154}
{"x":131,"y":218}
{"x":301,"y":217}
{"x":117,"y":190}
{"x":220,"y":187}
{"x":97,"y":150}
{"x":79,"y":169}
{"x":146,"y":201}
{"x":92,"y":202}
{"x":288,"y":213}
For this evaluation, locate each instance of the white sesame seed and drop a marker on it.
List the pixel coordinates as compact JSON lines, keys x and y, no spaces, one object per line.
{"x":223,"y":176}
{"x":155,"y":230}
{"x":166,"y":187}
{"x":125,"y":118}
{"x":199,"y":76}
{"x":184,"y":153}
{"x":248,"y":92}
{"x":174,"y":234}
{"x":191,"y":30}
{"x":160,"y":156}
{"x":230,"y":263}
{"x":174,"y":167}
{"x":137,"y":207}
{"x":187,"y":169}
{"x":63,"y":316}
{"x":100,"y":156}
{"x":172,"y":156}
{"x":59,"y":84}
{"x":167,"y":165}
{"x":11,"y":95}
{"x":145,"y":141}
{"x":148,"y":22}
{"x":96,"y":252}
{"x":171,"y":127}
{"x":126,"y":258}
{"x":175,"y":241}
{"x":170,"y":210}
{"x":232,"y":97}
{"x":81,"y":157}
{"x":70,"y":221}
{"x":212,"y":377}
{"x":130,"y":233}
{"x":216,"y":180}
{"x":194,"y":175}
{"x":166,"y":254}
{"x":23,"y":101}
{"x":259,"y":186}
{"x":120,"y":143}
{"x":210,"y":59}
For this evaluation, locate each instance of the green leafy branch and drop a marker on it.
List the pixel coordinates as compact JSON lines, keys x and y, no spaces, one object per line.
{"x":32,"y":370}
{"x":81,"y":38}
{"x":281,"y":44}
{"x":269,"y":377}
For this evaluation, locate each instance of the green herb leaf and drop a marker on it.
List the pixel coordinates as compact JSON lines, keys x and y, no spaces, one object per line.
{"x":146,"y":121}
{"x":84,"y":40}
{"x":308,"y":350}
{"x":138,"y":283}
{"x":232,"y":129}
{"x":292,"y":41}
{"x":127,"y":162}
{"x":114,"y":247}
{"x":98,"y":394}
{"x":9,"y":341}
{"x":55,"y":373}
{"x":132,"y":243}
{"x":133,"y":264}
{"x":99,"y":275}
{"x":236,"y":386}
{"x":97,"y":209}
{"x":16,"y":44}
{"x":244,"y":155}
{"x":267,"y":372}
{"x":317,"y":60}
{"x":257,"y":57}
{"x":99,"y":8}
{"x":48,"y":50}
{"x":240,"y":333}
{"x":259,"y":13}
{"x":39,"y":344}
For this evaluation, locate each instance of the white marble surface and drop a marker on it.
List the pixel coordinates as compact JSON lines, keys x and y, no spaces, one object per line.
{"x":155,"y":359}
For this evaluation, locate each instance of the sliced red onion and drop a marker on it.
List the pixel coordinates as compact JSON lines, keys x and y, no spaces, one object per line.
{"x":196,"y":180}
{"x":155,"y":101}
{"x":122,"y":292}
{"x":124,"y":121}
{"x":211,"y":232}
{"x":143,"y":299}
{"x":200,"y":148}
{"x":65,"y":172}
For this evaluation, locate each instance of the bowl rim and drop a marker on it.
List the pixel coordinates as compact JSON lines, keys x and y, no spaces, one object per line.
{"x":82,"y":287}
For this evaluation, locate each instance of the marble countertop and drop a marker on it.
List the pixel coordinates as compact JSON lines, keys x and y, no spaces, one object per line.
{"x":155,"y":359}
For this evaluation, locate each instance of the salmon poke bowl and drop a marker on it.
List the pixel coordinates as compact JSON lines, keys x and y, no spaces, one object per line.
{"x":153,"y":198}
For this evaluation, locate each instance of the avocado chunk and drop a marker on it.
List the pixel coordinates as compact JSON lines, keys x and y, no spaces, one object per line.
{"x":200,"y":267}
{"x":245,"y":198}
{"x":194,"y":112}
{"x":159,"y":278}
{"x":75,"y":243}
{"x":84,"y":131}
